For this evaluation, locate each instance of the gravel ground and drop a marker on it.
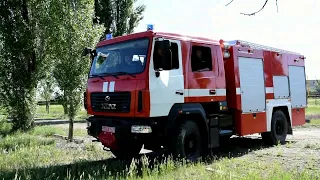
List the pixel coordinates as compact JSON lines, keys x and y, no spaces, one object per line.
{"x":301,"y":151}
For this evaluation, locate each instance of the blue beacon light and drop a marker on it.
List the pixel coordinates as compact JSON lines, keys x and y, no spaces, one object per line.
{"x":108,"y":36}
{"x":150,"y":27}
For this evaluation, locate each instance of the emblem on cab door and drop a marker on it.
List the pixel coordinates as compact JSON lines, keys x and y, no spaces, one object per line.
{"x":107,"y":98}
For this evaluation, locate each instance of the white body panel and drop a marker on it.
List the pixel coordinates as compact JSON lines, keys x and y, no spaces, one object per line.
{"x":268,"y":90}
{"x":297,"y":81}
{"x":108,"y":86}
{"x":163,"y":88}
{"x":204,"y":92}
{"x":281,"y":87}
{"x":271,"y":103}
{"x":252,"y":85}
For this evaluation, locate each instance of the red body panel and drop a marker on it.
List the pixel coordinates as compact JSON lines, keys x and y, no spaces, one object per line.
{"x":298,"y":117}
{"x":249,"y":124}
{"x":275,"y":64}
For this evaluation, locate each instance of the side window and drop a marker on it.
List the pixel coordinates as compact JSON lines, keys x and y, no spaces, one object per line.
{"x":175,"y":55}
{"x":201,"y":59}
{"x":158,"y":54}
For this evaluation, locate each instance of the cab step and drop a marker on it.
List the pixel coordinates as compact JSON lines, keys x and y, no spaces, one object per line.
{"x":226,"y":133}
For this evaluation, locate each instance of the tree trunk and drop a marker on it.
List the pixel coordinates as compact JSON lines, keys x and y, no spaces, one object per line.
{"x":70,"y":136}
{"x":47,"y":106}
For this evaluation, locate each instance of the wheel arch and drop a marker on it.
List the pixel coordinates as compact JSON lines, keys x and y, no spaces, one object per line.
{"x":285,"y":110}
{"x":192,"y":111}
{"x":279,"y":104}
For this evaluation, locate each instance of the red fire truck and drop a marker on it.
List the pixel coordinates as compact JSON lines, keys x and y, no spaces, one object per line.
{"x":188,"y":94}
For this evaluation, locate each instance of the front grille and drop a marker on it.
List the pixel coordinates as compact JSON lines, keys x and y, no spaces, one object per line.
{"x":111,"y":102}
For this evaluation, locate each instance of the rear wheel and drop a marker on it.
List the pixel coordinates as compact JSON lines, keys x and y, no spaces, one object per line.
{"x":187,"y":143}
{"x":279,"y":129}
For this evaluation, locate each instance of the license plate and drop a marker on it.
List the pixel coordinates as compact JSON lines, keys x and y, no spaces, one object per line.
{"x":108,"y":129}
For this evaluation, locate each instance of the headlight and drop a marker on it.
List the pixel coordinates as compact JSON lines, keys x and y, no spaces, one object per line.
{"x":141,"y":129}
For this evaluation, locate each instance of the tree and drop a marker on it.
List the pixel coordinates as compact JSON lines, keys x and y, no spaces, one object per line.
{"x":46,"y":89}
{"x":317,"y":86}
{"x":21,"y":62}
{"x":254,"y":13}
{"x":118,"y":16}
{"x":72,"y":30}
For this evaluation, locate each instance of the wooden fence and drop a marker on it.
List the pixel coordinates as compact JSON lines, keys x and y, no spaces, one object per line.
{"x":52,"y":102}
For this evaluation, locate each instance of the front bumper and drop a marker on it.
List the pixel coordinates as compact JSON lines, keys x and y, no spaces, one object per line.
{"x":113,"y":130}
{"x":120,"y":125}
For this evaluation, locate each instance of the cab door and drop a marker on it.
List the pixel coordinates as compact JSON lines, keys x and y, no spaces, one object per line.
{"x":201,"y":85}
{"x":166,"y":88}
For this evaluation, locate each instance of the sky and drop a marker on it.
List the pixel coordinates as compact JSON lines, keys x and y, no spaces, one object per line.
{"x":295,"y":27}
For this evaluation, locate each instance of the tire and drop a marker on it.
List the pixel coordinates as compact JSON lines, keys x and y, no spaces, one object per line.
{"x":127,"y":149}
{"x":279,"y":129}
{"x":187,"y":142}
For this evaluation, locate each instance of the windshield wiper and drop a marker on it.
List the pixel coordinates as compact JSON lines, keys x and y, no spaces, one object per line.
{"x":124,"y":73}
{"x":110,"y":74}
{"x":95,"y":75}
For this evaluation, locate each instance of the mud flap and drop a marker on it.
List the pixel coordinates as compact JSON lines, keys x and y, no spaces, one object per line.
{"x":214,"y":132}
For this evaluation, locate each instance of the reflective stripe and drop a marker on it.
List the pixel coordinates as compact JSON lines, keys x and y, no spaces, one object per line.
{"x":268,"y":90}
{"x":203,"y":92}
{"x":105,"y":87}
{"x":111,"y":86}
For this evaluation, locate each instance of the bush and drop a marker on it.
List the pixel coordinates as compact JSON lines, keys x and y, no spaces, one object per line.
{"x":5,"y":128}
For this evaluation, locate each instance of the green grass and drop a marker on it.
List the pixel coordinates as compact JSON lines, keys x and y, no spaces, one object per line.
{"x":50,"y":130}
{"x":313,"y":110}
{"x":56,"y":112}
{"x":37,"y":155}
{"x":51,"y":163}
{"x":314,"y":101}
{"x":315,"y":122}
{"x":5,"y":127}
{"x":313,"y":107}
{"x":38,"y":149}
{"x":13,"y":143}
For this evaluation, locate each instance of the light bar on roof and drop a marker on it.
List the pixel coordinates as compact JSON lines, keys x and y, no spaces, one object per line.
{"x":150,"y":27}
{"x":108,"y":36}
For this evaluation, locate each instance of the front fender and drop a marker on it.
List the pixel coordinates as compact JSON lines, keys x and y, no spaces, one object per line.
{"x":178,"y":110}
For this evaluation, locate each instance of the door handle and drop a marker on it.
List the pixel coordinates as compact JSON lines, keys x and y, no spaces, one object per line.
{"x":180,"y":92}
{"x":212,"y":91}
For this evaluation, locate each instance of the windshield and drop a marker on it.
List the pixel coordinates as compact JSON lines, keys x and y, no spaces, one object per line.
{"x":120,"y":58}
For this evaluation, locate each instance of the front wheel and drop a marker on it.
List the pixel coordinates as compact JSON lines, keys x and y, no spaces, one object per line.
{"x":187,"y":143}
{"x":279,"y":129}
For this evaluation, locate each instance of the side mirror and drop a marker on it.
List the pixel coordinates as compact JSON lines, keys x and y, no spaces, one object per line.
{"x":167,"y":60}
{"x":86,"y":51}
{"x":163,"y":62}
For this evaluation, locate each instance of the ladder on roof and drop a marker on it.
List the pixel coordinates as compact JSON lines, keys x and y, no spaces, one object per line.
{"x":259,"y":46}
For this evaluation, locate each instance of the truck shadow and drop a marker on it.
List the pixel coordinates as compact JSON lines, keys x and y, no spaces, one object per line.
{"x":119,"y":168}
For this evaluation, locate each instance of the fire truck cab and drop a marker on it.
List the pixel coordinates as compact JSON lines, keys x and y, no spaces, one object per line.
{"x":188,"y":94}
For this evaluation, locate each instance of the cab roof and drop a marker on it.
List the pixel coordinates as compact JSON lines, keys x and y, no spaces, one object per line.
{"x":158,"y":34}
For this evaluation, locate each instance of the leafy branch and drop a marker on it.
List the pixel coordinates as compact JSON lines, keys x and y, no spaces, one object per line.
{"x":254,"y":13}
